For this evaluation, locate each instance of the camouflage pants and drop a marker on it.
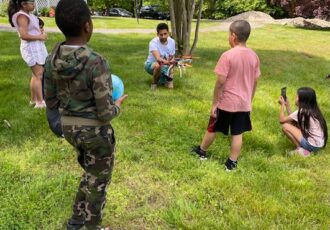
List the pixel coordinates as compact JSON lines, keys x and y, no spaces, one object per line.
{"x":95,"y":147}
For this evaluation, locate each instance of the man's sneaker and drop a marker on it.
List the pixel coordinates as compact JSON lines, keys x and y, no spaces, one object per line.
{"x":153,"y":86}
{"x":201,"y":153}
{"x":169,"y":84}
{"x":230,"y":165}
{"x":300,"y":151}
{"x":74,"y":224}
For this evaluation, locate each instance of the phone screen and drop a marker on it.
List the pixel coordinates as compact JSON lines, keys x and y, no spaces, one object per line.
{"x":283,"y":93}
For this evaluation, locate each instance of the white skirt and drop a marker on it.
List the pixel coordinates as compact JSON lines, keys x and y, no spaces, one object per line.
{"x":33,"y":52}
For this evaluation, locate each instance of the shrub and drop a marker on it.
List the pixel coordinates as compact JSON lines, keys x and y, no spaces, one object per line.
{"x":306,"y":8}
{"x":44,"y":12}
{"x":52,"y":11}
{"x":227,"y":8}
{"x":3,"y":9}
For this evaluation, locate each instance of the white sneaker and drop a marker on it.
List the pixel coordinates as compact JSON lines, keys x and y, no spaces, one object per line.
{"x":40,"y":105}
{"x":153,"y":86}
{"x":300,"y":151}
{"x":169,"y":84}
{"x":303,"y":152}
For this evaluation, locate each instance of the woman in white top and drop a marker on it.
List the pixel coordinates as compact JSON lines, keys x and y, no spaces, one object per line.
{"x":33,"y":49}
{"x":306,"y":127}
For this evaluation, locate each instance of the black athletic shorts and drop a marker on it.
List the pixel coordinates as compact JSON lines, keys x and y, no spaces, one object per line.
{"x":238,"y":122}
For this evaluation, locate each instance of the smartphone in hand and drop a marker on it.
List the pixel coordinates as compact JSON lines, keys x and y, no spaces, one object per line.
{"x":283,"y":93}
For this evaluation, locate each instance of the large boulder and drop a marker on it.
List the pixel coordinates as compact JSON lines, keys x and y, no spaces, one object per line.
{"x":306,"y":23}
{"x":252,"y":16}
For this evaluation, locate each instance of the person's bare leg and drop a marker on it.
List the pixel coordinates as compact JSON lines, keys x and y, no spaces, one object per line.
{"x":33,"y":96}
{"x":36,"y":83}
{"x":207,"y":140}
{"x":156,"y":73}
{"x":36,"y":89}
{"x":236,"y":145}
{"x":293,"y":133}
{"x":169,"y":83}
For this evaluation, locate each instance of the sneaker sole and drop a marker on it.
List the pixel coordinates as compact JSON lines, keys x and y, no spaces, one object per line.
{"x":195,"y":153}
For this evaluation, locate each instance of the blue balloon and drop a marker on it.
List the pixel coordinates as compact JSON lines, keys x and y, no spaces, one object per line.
{"x":118,"y":87}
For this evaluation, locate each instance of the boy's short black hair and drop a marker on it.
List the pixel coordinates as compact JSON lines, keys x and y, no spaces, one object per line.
{"x":41,"y":22}
{"x":162,"y":26}
{"x":242,"y":30}
{"x":71,"y":16}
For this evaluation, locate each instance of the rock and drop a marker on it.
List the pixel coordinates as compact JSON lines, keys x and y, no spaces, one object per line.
{"x":252,"y":16}
{"x":306,"y":23}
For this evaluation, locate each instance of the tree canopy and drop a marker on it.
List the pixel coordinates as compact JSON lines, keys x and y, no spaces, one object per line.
{"x":219,"y":9}
{"x":306,"y":8}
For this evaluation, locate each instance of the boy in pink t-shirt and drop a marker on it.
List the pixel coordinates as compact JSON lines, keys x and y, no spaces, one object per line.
{"x":237,"y":72}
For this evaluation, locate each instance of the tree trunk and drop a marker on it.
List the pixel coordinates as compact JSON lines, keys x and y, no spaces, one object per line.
{"x":197,"y":27}
{"x":185,"y":27}
{"x":173,"y":25}
{"x":178,"y":24}
{"x":107,"y":7}
{"x":136,"y":8}
{"x":182,"y":12}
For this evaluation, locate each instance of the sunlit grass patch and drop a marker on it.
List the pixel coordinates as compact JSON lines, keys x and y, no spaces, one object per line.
{"x":157,"y":183}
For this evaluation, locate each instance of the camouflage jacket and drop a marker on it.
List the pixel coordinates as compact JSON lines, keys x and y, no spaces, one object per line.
{"x":78,"y":81}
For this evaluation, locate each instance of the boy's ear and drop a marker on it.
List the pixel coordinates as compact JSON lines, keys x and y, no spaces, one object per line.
{"x":88,"y":28}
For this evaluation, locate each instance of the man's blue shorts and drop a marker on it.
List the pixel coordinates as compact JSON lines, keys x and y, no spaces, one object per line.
{"x":148,"y":66}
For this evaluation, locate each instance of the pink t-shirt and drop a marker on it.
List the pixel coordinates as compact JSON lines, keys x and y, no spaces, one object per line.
{"x":316,"y":135}
{"x":241,"y":68}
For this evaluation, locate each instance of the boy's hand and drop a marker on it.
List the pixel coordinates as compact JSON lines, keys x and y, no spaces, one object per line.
{"x":121,"y":100}
{"x":214,"y":111}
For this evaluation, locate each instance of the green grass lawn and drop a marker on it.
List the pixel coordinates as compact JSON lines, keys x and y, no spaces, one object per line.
{"x":156,"y":183}
{"x":120,"y":23}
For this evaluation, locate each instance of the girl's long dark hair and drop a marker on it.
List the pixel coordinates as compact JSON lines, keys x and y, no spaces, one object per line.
{"x":13,"y":7}
{"x":308,"y":108}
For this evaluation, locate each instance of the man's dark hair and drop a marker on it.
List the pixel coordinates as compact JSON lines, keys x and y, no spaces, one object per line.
{"x":162,"y":26}
{"x":242,"y":30}
{"x":71,"y":16}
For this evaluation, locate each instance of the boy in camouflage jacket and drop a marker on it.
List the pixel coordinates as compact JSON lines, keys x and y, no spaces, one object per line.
{"x":78,"y":81}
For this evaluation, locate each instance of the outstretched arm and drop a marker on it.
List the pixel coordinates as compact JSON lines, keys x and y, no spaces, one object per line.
{"x":254,"y":88}
{"x":284,"y":106}
{"x":106,"y":108}
{"x":50,"y":88}
{"x":218,"y":87}
{"x":158,"y":58}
